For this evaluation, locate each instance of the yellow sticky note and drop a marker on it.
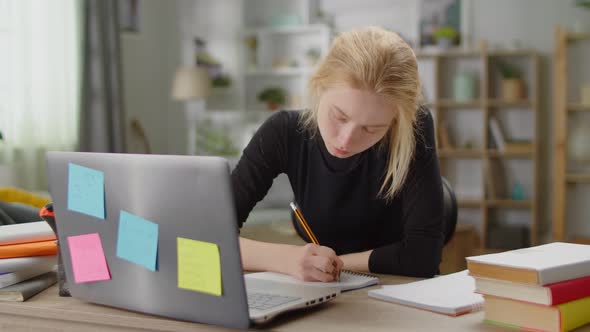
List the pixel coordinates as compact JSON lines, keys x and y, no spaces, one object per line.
{"x":199,"y":267}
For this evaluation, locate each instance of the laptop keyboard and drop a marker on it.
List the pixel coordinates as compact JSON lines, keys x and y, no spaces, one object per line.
{"x":263,"y":301}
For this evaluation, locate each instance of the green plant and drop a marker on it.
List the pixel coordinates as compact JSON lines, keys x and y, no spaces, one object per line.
{"x":221,"y":81}
{"x":508,"y":71}
{"x":445,"y":32}
{"x":273,"y":95}
{"x":215,"y":141}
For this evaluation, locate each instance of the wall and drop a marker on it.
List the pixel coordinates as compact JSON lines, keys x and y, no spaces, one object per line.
{"x":150,"y":58}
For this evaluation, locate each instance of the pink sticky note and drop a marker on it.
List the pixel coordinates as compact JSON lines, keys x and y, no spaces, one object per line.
{"x":88,"y":261}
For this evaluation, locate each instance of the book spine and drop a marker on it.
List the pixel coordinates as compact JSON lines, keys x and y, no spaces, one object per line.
{"x":570,"y":290}
{"x":574,"y":314}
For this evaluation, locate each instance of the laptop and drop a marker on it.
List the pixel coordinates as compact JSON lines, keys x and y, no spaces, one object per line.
{"x":186,"y":196}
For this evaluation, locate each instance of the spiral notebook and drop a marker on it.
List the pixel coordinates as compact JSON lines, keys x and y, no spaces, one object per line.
{"x":349,"y":280}
{"x":451,"y":294}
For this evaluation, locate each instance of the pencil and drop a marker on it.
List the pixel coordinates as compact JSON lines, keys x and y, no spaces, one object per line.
{"x":304,"y":224}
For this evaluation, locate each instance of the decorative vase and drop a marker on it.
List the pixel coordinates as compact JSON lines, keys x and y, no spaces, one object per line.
{"x":585,"y":94}
{"x":464,"y":87}
{"x":518,"y":192}
{"x":444,"y":43}
{"x":512,"y":89}
{"x":579,"y":142}
{"x":272,"y":106}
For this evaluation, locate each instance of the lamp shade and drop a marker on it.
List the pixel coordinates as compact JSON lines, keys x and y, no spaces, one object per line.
{"x":191,"y":83}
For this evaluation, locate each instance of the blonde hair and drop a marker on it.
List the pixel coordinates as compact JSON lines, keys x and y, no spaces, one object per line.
{"x":379,"y":61}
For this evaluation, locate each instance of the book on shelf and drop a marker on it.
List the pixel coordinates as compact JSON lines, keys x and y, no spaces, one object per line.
{"x":498,"y":139}
{"x":500,"y":142}
{"x":28,"y":288}
{"x":536,"y":317}
{"x":540,"y":265}
{"x":451,"y":294}
{"x":550,"y":295}
{"x":445,"y":141}
{"x":349,"y":280}
{"x":496,"y":179}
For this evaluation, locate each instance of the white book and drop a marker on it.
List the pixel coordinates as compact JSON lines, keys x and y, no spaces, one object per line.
{"x":541,"y":265}
{"x":26,"y":232}
{"x":11,"y":278}
{"x":24,"y":263}
{"x":348,"y":280}
{"x":497,"y":134}
{"x":451,"y":294}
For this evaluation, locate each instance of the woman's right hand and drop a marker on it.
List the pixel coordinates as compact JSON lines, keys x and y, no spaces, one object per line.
{"x":312,"y":262}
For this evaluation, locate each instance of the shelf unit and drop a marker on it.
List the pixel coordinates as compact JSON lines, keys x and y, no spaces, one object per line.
{"x":566,"y":108}
{"x":487,"y":102}
{"x":280,"y":56}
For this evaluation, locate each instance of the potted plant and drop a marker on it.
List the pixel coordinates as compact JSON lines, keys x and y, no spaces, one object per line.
{"x":273,"y":97}
{"x":445,"y":36}
{"x":512,"y":83}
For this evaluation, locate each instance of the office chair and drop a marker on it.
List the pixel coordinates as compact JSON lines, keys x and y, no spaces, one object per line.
{"x":450,"y":213}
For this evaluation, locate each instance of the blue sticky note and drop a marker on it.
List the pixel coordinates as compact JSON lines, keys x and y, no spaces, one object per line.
{"x":138,"y":240}
{"x":86,"y":190}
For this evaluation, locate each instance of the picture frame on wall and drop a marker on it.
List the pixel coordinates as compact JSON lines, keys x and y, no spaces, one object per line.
{"x":129,"y":15}
{"x":444,"y":24}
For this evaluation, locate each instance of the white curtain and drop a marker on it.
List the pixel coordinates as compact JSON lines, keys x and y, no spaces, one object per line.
{"x":40,"y":48}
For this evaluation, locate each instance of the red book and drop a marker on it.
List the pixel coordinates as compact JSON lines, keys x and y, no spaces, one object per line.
{"x":551,"y":294}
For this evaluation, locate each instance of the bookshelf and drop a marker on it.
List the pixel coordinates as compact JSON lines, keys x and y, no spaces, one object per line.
{"x":570,"y":180}
{"x":465,"y":144}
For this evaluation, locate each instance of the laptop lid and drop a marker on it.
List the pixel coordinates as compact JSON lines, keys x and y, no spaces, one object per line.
{"x":186,"y":196}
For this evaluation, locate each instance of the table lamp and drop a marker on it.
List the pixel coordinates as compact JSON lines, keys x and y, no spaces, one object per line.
{"x":192,"y":85}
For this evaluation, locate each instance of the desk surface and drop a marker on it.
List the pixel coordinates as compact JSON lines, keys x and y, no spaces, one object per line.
{"x":352,"y":311}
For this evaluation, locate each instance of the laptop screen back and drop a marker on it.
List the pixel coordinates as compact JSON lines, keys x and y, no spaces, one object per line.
{"x":186,"y":197}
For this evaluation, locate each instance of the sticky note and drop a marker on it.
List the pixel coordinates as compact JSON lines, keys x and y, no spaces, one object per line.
{"x":137,"y":240}
{"x":86,"y":190}
{"x":88,"y":261}
{"x":199,"y":267}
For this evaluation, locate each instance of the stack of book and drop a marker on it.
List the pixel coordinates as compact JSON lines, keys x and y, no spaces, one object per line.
{"x":28,"y":255}
{"x":543,"y":288}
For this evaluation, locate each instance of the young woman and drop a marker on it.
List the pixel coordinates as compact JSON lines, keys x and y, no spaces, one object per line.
{"x":362,"y":165}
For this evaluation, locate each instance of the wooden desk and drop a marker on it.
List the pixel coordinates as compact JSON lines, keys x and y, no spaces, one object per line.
{"x":352,"y":311}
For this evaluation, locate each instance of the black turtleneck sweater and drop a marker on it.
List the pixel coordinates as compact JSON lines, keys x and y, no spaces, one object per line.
{"x":339,"y":197}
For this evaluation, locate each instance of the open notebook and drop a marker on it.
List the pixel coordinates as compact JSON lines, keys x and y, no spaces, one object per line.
{"x":451,"y":294}
{"x":348,"y":280}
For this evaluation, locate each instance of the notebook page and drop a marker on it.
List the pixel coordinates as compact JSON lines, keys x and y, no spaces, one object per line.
{"x":348,"y":280}
{"x":450,"y":294}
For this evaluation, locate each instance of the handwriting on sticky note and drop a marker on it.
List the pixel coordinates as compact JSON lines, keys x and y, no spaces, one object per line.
{"x":138,"y":240}
{"x":199,"y":267}
{"x":88,"y":260}
{"x":86,"y":190}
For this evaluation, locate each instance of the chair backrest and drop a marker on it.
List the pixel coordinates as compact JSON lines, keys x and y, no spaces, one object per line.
{"x":450,"y":210}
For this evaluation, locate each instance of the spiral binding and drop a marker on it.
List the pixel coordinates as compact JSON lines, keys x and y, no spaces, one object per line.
{"x":360,"y":274}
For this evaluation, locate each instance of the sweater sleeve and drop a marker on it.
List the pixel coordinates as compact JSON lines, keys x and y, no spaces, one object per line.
{"x":419,"y":252}
{"x":262,"y":160}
